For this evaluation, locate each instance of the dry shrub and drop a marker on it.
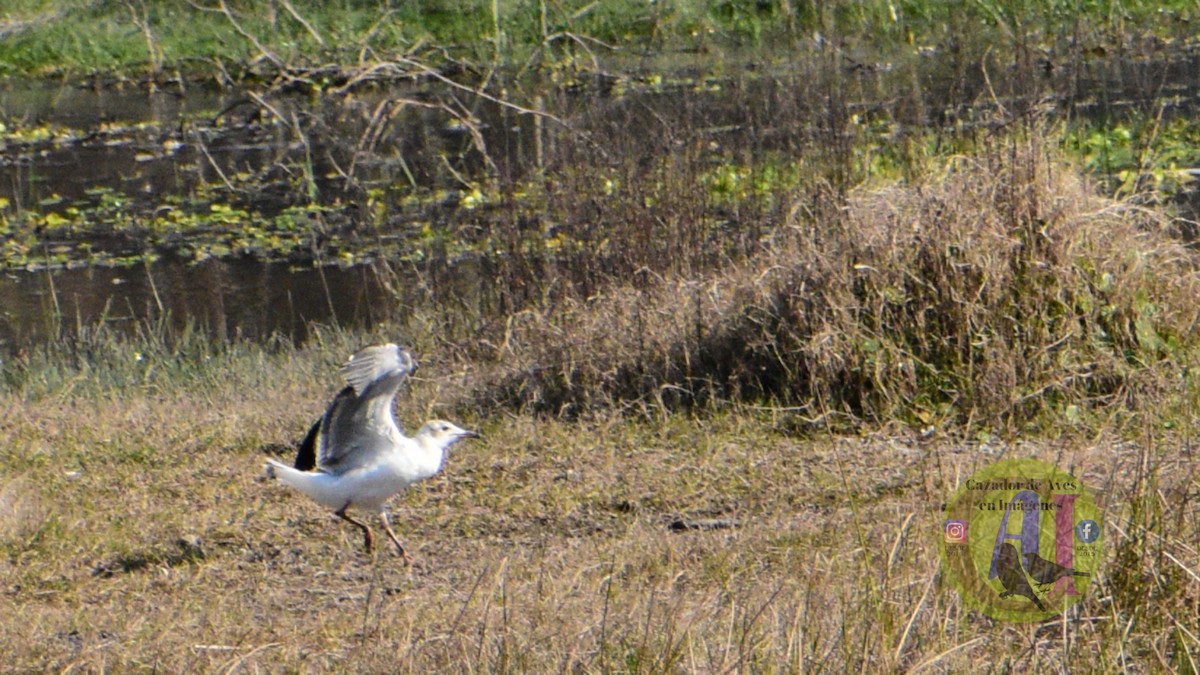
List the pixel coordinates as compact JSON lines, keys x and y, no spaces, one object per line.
{"x":1001,"y":289}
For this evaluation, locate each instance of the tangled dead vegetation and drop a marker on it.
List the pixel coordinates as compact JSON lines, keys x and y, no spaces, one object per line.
{"x":996,"y":291}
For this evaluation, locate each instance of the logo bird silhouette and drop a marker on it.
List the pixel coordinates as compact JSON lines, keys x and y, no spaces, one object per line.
{"x":1012,"y":576}
{"x":1045,"y":572}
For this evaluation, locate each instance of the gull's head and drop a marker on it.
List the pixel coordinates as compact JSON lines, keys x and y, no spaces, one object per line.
{"x":443,"y":434}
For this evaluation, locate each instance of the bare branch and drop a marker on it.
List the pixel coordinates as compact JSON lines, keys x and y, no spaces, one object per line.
{"x":296,"y":15}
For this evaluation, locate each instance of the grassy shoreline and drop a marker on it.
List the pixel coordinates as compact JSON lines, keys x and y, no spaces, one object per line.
{"x":1001,"y":293}
{"x":56,"y":38}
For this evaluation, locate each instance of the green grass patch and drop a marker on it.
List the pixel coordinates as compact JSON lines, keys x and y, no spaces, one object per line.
{"x":54,"y":37}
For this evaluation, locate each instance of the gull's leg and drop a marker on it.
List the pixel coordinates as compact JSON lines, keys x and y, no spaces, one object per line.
{"x":387,"y":525}
{"x":367,"y":539}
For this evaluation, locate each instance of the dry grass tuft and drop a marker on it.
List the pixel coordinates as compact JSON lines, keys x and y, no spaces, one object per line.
{"x":1001,"y":289}
{"x":21,"y":510}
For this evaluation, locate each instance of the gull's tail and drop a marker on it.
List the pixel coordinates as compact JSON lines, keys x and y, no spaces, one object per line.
{"x":284,"y":474}
{"x":315,"y":484}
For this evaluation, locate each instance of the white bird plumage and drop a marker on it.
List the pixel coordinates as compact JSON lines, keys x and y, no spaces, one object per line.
{"x":356,"y":455}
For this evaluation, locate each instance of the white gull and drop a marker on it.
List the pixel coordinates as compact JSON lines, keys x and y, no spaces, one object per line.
{"x":356,"y":455}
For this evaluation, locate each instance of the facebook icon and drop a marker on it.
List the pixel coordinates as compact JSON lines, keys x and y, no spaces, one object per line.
{"x":1087,"y":531}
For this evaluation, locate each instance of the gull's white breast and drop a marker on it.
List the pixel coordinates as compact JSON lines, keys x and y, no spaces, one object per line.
{"x":408,"y":462}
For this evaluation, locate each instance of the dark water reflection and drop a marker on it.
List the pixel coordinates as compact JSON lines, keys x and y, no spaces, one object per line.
{"x":227,"y":298}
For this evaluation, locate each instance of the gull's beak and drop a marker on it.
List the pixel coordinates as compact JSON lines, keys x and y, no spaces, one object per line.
{"x":468,"y":434}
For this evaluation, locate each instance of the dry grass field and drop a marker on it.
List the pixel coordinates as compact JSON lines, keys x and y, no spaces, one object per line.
{"x":137,"y":536}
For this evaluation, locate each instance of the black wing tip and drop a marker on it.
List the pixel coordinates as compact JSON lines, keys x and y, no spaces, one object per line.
{"x":306,"y":458}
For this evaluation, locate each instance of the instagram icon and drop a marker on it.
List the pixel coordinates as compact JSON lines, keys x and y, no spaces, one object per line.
{"x":955,"y":531}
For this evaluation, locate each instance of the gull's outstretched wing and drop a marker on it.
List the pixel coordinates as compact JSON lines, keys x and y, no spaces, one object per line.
{"x":359,"y":422}
{"x":371,"y":366}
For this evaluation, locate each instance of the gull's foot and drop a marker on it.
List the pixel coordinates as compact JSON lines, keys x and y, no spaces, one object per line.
{"x":408,"y":559}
